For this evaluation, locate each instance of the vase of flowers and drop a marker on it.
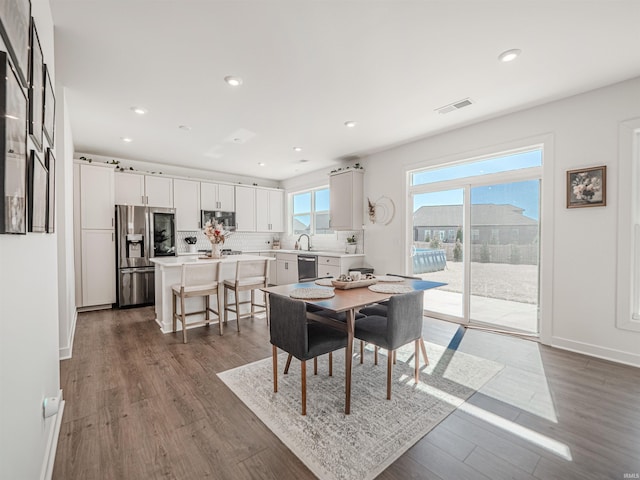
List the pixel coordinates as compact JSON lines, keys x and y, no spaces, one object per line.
{"x":216,"y":234}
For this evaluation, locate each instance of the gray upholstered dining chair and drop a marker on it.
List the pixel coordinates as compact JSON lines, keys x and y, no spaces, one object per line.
{"x":401,"y":325}
{"x":291,"y":332}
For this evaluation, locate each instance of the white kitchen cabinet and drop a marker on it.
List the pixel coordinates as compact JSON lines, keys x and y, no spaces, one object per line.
{"x":137,"y":189}
{"x":158,"y":191}
{"x":186,"y":201}
{"x":287,"y":268}
{"x":329,"y":267}
{"x":98,"y":267}
{"x":129,"y":189}
{"x":346,"y":200}
{"x":217,"y":196}
{"x":96,"y":197}
{"x":269,"y":210}
{"x":245,"y":209}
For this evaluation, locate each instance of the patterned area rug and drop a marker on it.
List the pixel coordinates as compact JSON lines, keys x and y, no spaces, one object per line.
{"x":360,"y":445}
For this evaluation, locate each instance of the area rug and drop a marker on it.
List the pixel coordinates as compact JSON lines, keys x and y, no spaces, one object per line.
{"x":359,"y":446}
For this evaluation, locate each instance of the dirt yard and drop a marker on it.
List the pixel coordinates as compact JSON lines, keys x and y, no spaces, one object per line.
{"x":518,"y":283}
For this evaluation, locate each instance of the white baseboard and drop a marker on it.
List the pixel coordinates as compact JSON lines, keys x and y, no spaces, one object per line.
{"x":610,"y":354}
{"x":52,"y":443}
{"x":67,"y":352}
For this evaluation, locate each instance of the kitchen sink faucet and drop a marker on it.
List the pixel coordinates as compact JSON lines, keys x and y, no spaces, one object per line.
{"x":308,"y":241}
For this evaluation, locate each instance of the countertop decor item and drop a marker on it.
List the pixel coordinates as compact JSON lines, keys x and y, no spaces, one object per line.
{"x":216,"y":235}
{"x":353,"y":284}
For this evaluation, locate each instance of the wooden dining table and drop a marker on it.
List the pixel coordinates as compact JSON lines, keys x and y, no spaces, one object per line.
{"x":348,"y":301}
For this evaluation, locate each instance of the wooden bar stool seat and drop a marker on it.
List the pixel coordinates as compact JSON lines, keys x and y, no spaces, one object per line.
{"x":198,"y":280}
{"x":251,"y":275}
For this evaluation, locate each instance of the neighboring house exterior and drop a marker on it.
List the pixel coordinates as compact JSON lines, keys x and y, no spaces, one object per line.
{"x":491,"y":224}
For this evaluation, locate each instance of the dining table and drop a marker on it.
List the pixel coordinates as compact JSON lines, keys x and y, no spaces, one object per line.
{"x":349,"y":301}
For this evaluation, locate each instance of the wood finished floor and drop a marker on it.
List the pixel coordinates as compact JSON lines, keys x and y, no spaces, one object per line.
{"x":142,"y":405}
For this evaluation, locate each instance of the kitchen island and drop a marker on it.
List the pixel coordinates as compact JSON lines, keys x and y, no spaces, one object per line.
{"x":168,"y":271}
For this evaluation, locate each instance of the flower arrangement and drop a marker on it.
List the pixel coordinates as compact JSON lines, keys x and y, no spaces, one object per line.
{"x":215,"y":232}
{"x":586,"y":186}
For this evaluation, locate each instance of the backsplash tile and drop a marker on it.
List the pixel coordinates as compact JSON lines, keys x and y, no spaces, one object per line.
{"x":247,"y":241}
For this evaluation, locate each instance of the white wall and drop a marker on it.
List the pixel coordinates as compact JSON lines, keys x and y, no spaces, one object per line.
{"x":579,"y":245}
{"x":29,"y":368}
{"x":64,"y":226}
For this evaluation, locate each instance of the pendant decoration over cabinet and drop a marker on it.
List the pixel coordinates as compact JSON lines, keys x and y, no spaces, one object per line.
{"x":382,"y":210}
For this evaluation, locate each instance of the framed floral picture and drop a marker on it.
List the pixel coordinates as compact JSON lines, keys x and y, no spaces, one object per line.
{"x":36,"y":90}
{"x":15,"y":18}
{"x":38,"y":193}
{"x":587,"y":187}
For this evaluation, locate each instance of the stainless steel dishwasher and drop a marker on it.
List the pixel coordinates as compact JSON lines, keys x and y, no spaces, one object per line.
{"x":307,"y":268}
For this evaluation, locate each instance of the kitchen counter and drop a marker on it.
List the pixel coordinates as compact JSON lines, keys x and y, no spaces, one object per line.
{"x":319,"y":253}
{"x":168,"y":273}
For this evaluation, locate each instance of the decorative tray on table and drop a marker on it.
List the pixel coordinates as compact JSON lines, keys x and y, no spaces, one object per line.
{"x":354,"y":283}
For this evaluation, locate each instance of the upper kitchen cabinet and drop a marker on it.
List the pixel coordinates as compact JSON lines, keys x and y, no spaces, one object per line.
{"x":96,"y":197}
{"x":346,"y":200}
{"x":159,"y":191}
{"x":186,"y":200}
{"x":269,"y":210}
{"x":137,"y":189}
{"x":245,"y":209}
{"x":217,"y":196}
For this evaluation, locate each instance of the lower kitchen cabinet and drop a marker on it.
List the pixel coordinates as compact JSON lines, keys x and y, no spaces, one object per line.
{"x":329,"y":267}
{"x":287,"y":268}
{"x":98,"y":267}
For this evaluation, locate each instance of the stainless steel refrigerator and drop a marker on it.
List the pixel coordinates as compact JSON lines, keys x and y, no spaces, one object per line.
{"x":141,"y":234}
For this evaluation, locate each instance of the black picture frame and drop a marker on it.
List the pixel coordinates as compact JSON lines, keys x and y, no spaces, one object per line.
{"x":15,"y":24}
{"x":50,"y":163}
{"x":49,"y":123}
{"x":13,"y":150}
{"x":36,"y":89}
{"x":38,"y":194}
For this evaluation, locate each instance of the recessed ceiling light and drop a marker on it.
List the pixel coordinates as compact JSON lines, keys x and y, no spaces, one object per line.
{"x":261,"y":164}
{"x":126,"y":139}
{"x":509,"y":55}
{"x":350,"y":124}
{"x":139,"y":110}
{"x":186,"y":128}
{"x":304,"y":160}
{"x":233,"y":81}
{"x":297,"y":149}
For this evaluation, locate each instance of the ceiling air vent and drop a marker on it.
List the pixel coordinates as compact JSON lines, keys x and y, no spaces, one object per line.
{"x":455,"y":106}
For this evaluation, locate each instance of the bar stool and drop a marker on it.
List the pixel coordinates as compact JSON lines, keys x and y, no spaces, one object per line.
{"x":198,"y":280}
{"x":250,"y":276}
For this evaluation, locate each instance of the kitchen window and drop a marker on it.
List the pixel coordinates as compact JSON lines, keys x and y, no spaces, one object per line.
{"x":310,"y":212}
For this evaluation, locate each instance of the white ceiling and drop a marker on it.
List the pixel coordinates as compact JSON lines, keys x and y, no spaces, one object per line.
{"x":308,"y":66}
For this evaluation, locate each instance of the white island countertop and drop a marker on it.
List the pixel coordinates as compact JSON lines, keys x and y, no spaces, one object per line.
{"x":318,"y":253}
{"x":191,"y":258}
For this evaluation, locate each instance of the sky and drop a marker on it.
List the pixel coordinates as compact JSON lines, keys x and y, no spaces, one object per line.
{"x":525,"y":194}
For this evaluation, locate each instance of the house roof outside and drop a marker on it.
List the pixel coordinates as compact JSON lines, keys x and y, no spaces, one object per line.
{"x":481,"y":215}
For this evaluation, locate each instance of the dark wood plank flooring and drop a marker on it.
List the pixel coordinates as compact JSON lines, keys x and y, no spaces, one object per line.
{"x":142,"y":405}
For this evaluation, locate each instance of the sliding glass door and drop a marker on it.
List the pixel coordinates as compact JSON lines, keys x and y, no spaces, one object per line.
{"x":479,"y":234}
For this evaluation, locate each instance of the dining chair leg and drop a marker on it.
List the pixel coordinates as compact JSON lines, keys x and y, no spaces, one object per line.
{"x":330,"y":364}
{"x":389,"y":370}
{"x":394,"y":356}
{"x":361,"y":351}
{"x":424,"y":351}
{"x":416,"y":360}
{"x":375,"y":355}
{"x":303,"y":379}
{"x":286,"y":367}
{"x":183,"y":319}
{"x":274,"y":350}
{"x":315,"y":365}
